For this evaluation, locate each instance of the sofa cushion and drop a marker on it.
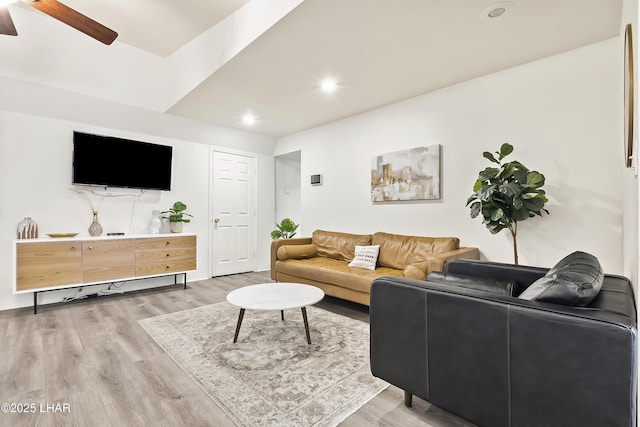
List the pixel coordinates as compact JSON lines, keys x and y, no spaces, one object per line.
{"x":397,"y":251}
{"x":365,"y":257}
{"x":480,"y":283}
{"x":339,"y":246}
{"x":296,"y":251}
{"x":575,"y":280}
{"x":333,"y":272}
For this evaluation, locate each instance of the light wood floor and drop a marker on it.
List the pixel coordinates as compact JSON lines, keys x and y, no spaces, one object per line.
{"x":93,"y":359}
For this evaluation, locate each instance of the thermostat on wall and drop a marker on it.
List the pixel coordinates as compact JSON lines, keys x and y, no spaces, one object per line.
{"x":316,"y":179}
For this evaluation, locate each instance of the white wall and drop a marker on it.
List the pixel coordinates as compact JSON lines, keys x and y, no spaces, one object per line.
{"x":563,"y":114}
{"x":35,"y":175}
{"x":631,"y":188}
{"x":287,"y":189}
{"x":30,"y":98}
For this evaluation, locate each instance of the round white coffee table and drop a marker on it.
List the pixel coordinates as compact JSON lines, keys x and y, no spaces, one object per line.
{"x":277,"y":296}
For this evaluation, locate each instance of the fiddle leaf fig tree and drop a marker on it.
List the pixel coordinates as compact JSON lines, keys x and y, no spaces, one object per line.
{"x":506,"y":194}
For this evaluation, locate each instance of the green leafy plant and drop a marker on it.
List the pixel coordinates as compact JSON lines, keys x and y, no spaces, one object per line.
{"x":177,"y":213}
{"x":506,"y":194}
{"x":286,"y":229}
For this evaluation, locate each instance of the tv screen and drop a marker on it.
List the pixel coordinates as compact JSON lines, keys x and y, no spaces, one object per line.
{"x":116,"y":162}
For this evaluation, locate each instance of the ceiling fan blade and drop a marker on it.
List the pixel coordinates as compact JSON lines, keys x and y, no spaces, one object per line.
{"x":6,"y":23}
{"x":75,"y":19}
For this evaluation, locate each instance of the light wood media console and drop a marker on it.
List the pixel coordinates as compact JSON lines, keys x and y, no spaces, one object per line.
{"x":50,"y":264}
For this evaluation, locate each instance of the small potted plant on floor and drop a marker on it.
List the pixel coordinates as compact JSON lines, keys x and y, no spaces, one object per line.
{"x":176,"y":216}
{"x":286,"y":229}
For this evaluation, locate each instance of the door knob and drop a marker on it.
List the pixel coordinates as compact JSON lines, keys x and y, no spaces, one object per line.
{"x":217,"y":220}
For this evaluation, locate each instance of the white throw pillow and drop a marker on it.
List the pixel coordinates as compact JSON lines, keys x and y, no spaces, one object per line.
{"x":366,"y":257}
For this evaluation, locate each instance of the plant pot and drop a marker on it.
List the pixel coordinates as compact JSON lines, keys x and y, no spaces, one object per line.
{"x":176,"y":227}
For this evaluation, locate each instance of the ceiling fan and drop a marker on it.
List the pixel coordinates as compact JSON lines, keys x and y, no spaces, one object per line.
{"x":62,"y":13}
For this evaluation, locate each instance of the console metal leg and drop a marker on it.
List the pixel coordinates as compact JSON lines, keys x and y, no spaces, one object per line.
{"x":184,"y":282}
{"x":35,"y":303}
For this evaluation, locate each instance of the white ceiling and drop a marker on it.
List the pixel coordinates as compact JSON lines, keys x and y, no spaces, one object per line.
{"x":215,"y":60}
{"x":157,"y":26}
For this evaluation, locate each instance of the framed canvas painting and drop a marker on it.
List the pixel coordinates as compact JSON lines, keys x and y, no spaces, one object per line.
{"x":406,"y":175}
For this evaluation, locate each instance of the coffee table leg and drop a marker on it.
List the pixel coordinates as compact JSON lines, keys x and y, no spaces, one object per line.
{"x":235,"y":337}
{"x":306,"y":324}
{"x":282,"y":314}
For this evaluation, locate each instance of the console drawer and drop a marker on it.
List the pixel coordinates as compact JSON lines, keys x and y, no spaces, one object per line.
{"x":154,"y":268}
{"x":171,"y":242}
{"x":162,"y":255}
{"x":165,"y":255}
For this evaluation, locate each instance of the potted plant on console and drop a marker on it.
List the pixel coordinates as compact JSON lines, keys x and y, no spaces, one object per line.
{"x":176,"y":216}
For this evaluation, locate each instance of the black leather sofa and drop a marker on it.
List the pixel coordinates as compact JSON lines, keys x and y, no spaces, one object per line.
{"x":470,"y":346}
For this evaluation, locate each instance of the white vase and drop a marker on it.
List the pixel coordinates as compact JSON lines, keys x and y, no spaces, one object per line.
{"x":27,"y":229}
{"x":95,"y":229}
{"x":176,"y":227}
{"x":156,"y":222}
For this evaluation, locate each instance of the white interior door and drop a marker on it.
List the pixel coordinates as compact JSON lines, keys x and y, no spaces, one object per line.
{"x":233,"y":208}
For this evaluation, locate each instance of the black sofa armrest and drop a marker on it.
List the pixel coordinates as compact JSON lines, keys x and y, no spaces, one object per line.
{"x":398,"y":341}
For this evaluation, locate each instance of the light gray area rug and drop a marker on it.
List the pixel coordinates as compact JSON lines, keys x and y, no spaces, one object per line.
{"x":271,"y":376}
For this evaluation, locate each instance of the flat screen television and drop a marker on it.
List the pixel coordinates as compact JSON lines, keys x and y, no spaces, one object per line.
{"x":107,"y":161}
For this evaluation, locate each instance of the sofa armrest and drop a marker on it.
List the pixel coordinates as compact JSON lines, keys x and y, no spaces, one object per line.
{"x":275,"y":244}
{"x":437,"y":261}
{"x":417,"y":270}
{"x":398,"y":334}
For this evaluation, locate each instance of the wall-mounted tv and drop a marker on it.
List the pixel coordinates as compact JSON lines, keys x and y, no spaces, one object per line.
{"x":107,"y":161}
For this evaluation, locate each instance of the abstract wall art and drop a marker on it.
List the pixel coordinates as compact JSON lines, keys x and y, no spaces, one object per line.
{"x":406,"y":175}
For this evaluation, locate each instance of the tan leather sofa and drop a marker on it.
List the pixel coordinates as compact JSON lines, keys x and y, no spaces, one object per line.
{"x":322,"y":260}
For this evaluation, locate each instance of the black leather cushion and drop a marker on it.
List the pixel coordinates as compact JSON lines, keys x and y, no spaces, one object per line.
{"x":480,"y":283}
{"x":575,"y":281}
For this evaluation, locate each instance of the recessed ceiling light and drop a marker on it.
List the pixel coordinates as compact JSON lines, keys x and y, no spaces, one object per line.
{"x":249,"y":119}
{"x":496,"y":10}
{"x":329,"y":85}
{"x":6,"y":2}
